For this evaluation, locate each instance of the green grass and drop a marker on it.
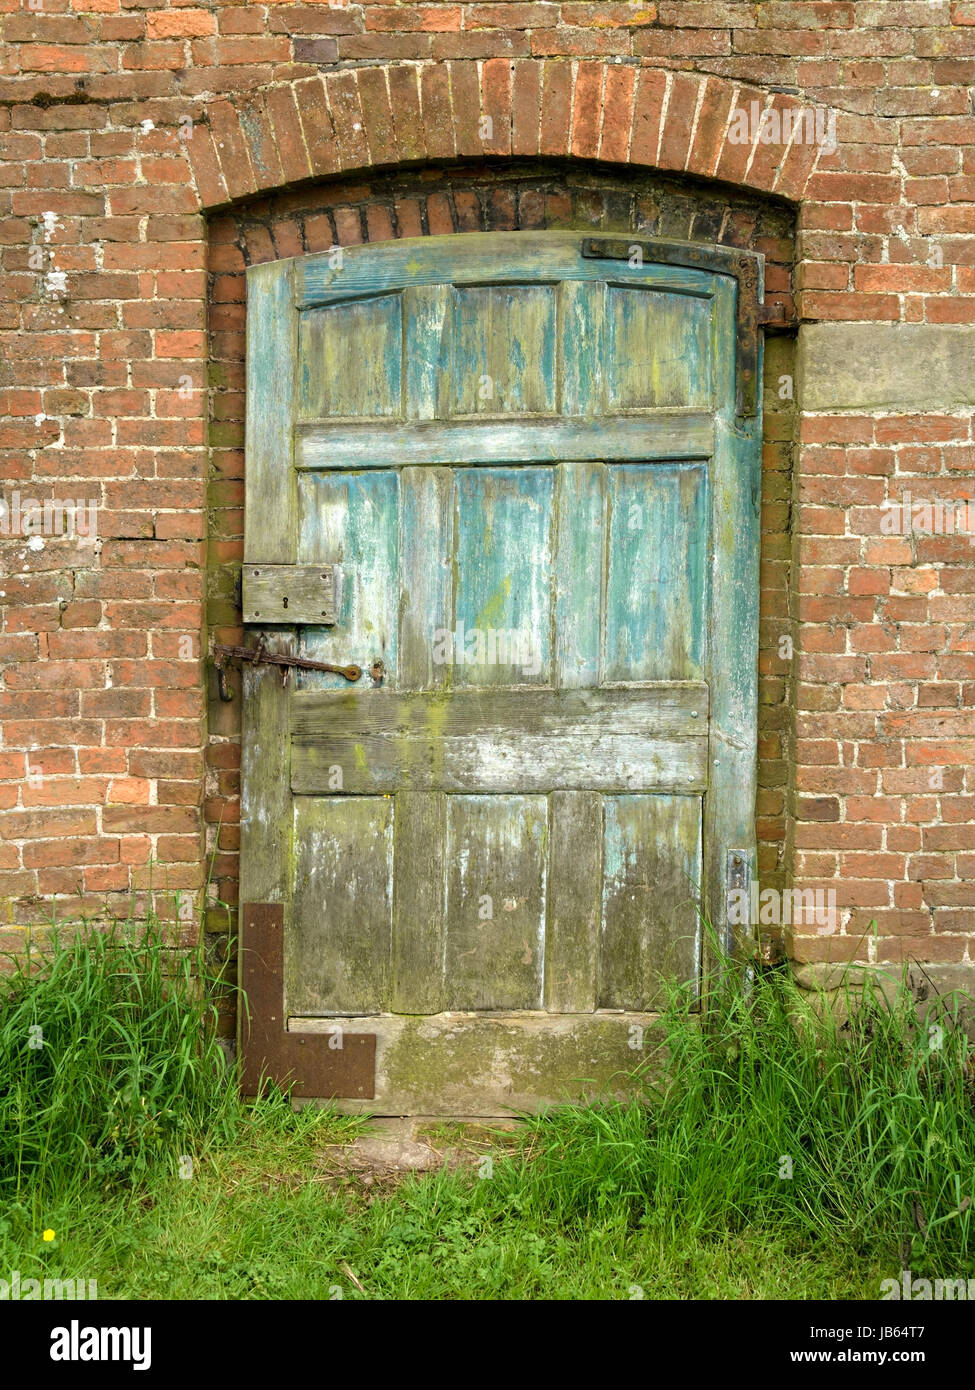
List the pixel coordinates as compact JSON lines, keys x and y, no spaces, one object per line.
{"x":106,"y":1068}
{"x":683,"y":1192}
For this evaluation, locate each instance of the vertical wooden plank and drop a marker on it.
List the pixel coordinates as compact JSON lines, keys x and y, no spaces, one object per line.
{"x":352,"y":520}
{"x":419,"y":902}
{"x":729,"y":812}
{"x":265,"y":778}
{"x":495,"y":902}
{"x":426,"y":549}
{"x":266,"y":830}
{"x":337,"y":954}
{"x":503,"y":597}
{"x":574,"y":901}
{"x":656,"y":587}
{"x":652,"y":873}
{"x":426,"y":321}
{"x":269,"y":537}
{"x":579,"y":565}
{"x":272,"y":358}
{"x":582,"y":310}
{"x":425,"y":616}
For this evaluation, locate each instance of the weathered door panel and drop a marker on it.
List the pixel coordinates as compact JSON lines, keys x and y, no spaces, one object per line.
{"x":526,"y":470}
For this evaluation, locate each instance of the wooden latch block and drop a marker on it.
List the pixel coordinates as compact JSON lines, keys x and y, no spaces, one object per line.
{"x":289,"y":594}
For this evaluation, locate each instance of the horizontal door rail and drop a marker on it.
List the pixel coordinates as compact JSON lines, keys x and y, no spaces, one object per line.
{"x":631,"y":740}
{"x":662,"y":435}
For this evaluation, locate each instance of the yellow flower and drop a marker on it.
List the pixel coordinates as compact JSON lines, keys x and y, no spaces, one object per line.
{"x":48,"y":1234}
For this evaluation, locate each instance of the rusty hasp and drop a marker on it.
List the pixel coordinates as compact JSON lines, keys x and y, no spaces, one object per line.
{"x":260,"y":656}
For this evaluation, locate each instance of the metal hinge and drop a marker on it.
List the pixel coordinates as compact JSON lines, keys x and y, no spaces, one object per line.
{"x":776,"y":315}
{"x":738,"y":879}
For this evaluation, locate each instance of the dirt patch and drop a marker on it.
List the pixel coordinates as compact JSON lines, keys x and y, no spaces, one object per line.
{"x":391,"y":1149}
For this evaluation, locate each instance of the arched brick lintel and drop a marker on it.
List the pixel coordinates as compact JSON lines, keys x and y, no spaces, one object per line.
{"x":391,"y":115}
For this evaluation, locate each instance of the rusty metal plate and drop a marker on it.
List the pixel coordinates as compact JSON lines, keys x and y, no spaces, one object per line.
{"x":309,"y":1063}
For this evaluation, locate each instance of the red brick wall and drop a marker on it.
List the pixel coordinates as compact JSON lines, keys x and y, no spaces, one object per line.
{"x":886,"y":800}
{"x":107,"y":263}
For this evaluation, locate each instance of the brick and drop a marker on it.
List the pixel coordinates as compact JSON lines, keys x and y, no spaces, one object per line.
{"x":71,"y":852}
{"x":310,"y":19}
{"x":374,"y":95}
{"x":316,"y":125}
{"x":670,"y":44}
{"x":378,"y":48}
{"x":246,"y":51}
{"x":496,"y":105}
{"x":586,"y":110}
{"x":434,"y":18}
{"x":579,"y":43}
{"x":554,"y":132}
{"x":712,"y":120}
{"x":736,"y":151}
{"x":439,"y":216}
{"x":648,"y":105}
{"x":348,"y":226}
{"x":255,"y":123}
{"x":681,"y":109}
{"x":509,"y":16}
{"x":181,"y":24}
{"x":379,"y":226}
{"x":468,"y":211}
{"x":230,"y":144}
{"x":438,"y":126}
{"x":854,"y":307}
{"x":404,"y":98}
{"x":617,"y":113}
{"x":24,"y":825}
{"x":465,"y":100}
{"x":769,"y":159}
{"x":41,"y":57}
{"x":347,"y":120}
{"x":316,"y":51}
{"x":525,"y":108}
{"x":477,"y":46}
{"x":286,"y":126}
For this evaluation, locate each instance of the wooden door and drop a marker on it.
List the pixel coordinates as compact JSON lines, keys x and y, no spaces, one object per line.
{"x":529,"y":474}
